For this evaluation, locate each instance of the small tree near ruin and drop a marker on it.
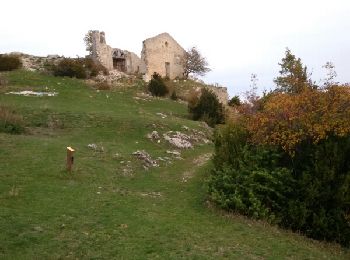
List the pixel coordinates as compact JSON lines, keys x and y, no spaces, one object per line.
{"x":195,"y":63}
{"x":88,"y":41}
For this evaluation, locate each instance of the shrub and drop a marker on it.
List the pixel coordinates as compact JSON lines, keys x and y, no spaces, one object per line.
{"x":94,"y":67}
{"x":247,"y":179}
{"x":9,"y":62}
{"x":288,"y":163}
{"x":3,"y":81}
{"x":174,"y":96}
{"x":234,"y":101}
{"x":157,"y":86}
{"x":207,"y":108}
{"x":80,"y":68}
{"x":320,"y":203}
{"x":10,"y":122}
{"x":70,"y":68}
{"x":102,"y":86}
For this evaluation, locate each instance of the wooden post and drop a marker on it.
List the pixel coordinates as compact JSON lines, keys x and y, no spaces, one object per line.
{"x":70,"y":158}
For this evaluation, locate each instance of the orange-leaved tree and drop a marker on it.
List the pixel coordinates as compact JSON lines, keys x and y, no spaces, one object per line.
{"x":287,"y":120}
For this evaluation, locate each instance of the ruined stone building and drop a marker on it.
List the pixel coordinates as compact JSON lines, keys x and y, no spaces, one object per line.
{"x":113,"y":58}
{"x":162,"y":54}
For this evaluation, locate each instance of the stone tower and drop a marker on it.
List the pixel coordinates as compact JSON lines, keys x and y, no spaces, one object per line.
{"x":101,"y":52}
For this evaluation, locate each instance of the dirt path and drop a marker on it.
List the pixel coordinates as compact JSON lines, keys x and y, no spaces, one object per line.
{"x":198,"y":162}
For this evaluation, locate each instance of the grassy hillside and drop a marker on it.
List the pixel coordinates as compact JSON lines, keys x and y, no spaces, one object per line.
{"x":110,"y":206}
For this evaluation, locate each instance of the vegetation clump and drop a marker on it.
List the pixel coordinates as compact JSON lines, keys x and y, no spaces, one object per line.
{"x":156,"y":86}
{"x":80,"y":68}
{"x":9,"y":62}
{"x":286,"y":160}
{"x":234,"y":101}
{"x":206,"y":108}
{"x":10,"y":122}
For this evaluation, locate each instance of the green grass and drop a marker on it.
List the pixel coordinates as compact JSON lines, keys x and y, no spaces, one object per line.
{"x":102,"y":212}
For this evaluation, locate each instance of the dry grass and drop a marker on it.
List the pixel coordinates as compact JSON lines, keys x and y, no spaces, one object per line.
{"x":10,"y":122}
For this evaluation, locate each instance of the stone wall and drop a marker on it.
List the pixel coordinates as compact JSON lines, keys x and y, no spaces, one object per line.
{"x":105,"y":54}
{"x":133,"y":63}
{"x":162,"y":54}
{"x":101,"y":51}
{"x":221,"y":93}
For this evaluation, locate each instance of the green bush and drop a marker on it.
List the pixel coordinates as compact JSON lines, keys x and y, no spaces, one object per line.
{"x":80,"y":68}
{"x":9,"y":62}
{"x":10,"y":122}
{"x":207,"y":108}
{"x":307,"y":192}
{"x":247,"y":179}
{"x":234,"y":101}
{"x":320,"y":205}
{"x":156,"y":86}
{"x":70,"y":68}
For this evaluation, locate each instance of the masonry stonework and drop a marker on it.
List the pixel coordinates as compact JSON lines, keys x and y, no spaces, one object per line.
{"x":101,"y":52}
{"x":114,"y":58}
{"x":162,"y":54}
{"x":221,"y":93}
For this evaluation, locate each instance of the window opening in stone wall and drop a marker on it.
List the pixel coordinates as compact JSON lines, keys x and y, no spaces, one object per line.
{"x":166,"y":44}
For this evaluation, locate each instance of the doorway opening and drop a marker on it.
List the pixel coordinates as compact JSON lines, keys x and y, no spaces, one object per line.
{"x":167,"y":69}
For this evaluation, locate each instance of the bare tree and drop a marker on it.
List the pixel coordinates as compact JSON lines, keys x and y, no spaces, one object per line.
{"x":195,"y":63}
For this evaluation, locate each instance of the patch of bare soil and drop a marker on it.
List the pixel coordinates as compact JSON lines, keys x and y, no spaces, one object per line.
{"x":199,"y":161}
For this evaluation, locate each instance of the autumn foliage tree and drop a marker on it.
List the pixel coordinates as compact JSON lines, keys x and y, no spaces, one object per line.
{"x":293,"y":76}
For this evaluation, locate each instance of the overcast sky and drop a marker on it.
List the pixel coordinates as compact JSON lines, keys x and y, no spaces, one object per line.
{"x":237,"y":37}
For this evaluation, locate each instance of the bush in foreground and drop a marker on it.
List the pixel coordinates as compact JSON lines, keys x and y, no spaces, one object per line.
{"x":288,"y":163}
{"x":286,"y":159}
{"x":9,"y":62}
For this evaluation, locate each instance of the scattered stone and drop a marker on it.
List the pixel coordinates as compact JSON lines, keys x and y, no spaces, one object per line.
{"x":153,"y":136}
{"x":96,"y":148}
{"x":152,"y":194}
{"x":178,"y":139}
{"x":123,"y":226}
{"x":113,"y":77}
{"x":146,"y":159}
{"x":38,"y":229}
{"x":174,"y":152}
{"x":161,"y":115}
{"x":29,"y":93}
{"x":92,"y":146}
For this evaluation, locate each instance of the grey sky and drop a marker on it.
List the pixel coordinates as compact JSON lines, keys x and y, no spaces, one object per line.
{"x":237,"y":37}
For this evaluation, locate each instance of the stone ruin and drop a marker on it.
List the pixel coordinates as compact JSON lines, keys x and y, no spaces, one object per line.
{"x":113,"y":58}
{"x":161,"y":54}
